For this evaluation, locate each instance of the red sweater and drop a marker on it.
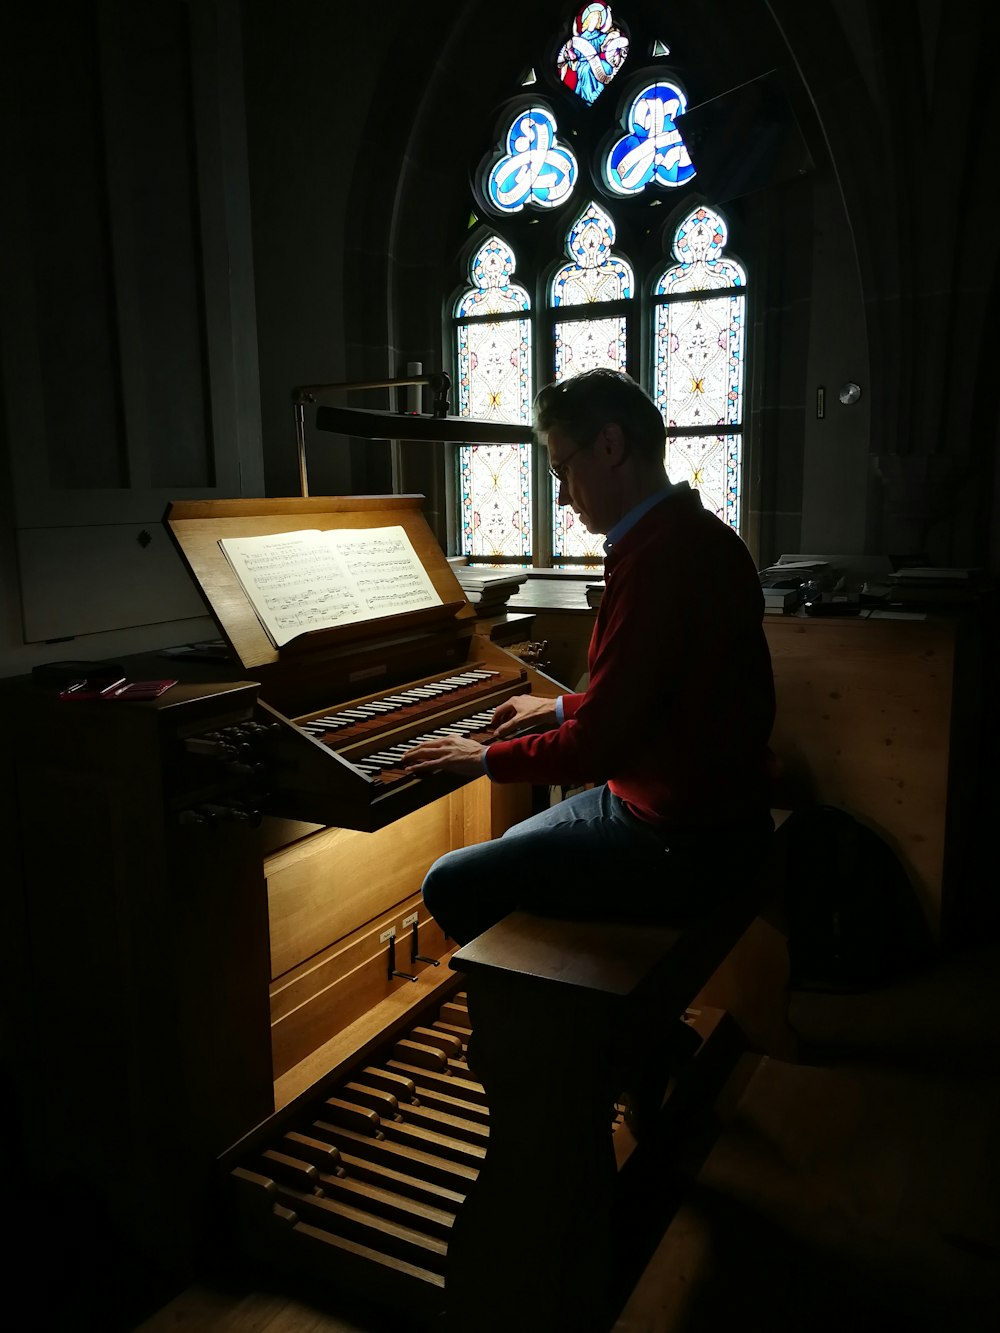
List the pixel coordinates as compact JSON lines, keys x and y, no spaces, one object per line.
{"x":680,"y":702}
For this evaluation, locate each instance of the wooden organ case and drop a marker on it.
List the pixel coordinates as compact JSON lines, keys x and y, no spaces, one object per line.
{"x":220,"y":922}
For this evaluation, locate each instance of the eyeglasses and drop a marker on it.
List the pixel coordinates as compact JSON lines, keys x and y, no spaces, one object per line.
{"x":559,"y":469}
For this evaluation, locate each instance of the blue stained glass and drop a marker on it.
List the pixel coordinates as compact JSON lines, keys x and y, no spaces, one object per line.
{"x":536,"y":169}
{"x":492,"y":291}
{"x":699,"y":361}
{"x":495,"y":499}
{"x":494,"y":370}
{"x":698,"y":244}
{"x":712,"y":464}
{"x":653,"y":151}
{"x":493,"y":355}
{"x":594,"y":54}
{"x":596,"y":274}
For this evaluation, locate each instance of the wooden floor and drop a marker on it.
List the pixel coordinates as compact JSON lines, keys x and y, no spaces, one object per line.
{"x":858,"y":1188}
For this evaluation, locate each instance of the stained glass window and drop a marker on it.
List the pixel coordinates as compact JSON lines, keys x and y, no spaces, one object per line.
{"x":699,"y":342}
{"x":652,"y":151}
{"x":595,"y":52}
{"x":493,"y":344}
{"x":594,"y":275}
{"x":584,"y":307}
{"x":533,"y":167}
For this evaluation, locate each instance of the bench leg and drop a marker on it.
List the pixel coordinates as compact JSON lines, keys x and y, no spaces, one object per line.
{"x":532,"y":1247}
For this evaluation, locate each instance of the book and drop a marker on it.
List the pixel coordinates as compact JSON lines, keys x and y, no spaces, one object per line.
{"x":781,"y":599}
{"x":316,"y":579}
{"x":937,"y":574}
{"x":935,"y":586}
{"x":503,"y":584}
{"x":487,"y":588}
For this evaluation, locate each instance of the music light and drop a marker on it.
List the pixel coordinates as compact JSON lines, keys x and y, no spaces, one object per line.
{"x":406,"y":425}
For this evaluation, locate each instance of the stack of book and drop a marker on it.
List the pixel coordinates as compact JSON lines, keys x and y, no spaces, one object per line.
{"x":781,"y":599}
{"x":488,"y":589}
{"x":934,"y":587}
{"x":785,"y":585}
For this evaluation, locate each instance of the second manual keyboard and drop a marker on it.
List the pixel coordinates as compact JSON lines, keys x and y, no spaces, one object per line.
{"x":385,"y":764}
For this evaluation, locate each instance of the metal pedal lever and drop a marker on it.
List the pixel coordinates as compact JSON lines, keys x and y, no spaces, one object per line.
{"x":394,"y":971}
{"x":416,"y":957}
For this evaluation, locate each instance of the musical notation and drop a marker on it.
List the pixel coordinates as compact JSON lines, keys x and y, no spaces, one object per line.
{"x":312,"y":579}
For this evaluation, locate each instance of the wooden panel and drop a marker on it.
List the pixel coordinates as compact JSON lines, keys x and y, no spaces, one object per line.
{"x":509,"y":804}
{"x":303,"y":983}
{"x":347,"y":1048}
{"x":321,"y":888}
{"x":139,"y":1042}
{"x":864,"y":723}
{"x":346,"y":983}
{"x":84,"y":580}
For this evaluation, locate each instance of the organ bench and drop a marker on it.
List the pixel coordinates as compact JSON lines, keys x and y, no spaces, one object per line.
{"x":532,"y":1203}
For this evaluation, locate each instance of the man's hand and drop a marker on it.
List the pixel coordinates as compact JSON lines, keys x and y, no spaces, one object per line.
{"x":451,"y":754}
{"x":523,"y":712}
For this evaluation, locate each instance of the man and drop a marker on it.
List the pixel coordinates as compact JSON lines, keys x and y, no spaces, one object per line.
{"x":674,"y":723}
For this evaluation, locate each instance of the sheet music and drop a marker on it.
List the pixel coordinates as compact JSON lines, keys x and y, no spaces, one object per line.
{"x":386,"y":570}
{"x":312,"y":579}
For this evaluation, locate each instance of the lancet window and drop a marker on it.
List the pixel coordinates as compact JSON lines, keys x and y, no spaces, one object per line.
{"x":582,"y":167}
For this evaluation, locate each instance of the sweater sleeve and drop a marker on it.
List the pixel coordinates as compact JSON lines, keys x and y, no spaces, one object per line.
{"x":629,"y":668}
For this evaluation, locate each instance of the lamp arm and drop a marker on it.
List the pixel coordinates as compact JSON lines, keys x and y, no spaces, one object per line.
{"x":309,"y":393}
{"x":439,"y":381}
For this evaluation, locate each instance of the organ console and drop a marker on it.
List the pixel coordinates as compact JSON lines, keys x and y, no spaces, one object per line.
{"x":230,"y":999}
{"x":219,"y":909}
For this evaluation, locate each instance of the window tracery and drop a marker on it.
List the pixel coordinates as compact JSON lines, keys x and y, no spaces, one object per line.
{"x":687,"y":320}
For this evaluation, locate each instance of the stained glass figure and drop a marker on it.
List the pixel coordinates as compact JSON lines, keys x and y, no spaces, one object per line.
{"x":660,"y":48}
{"x":699,"y":360}
{"x":493,"y":336}
{"x":594,"y":274}
{"x":653,"y":151}
{"x":535,"y":169}
{"x":594,"y":54}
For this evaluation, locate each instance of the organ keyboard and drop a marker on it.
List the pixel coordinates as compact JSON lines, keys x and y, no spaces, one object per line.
{"x":370,"y":735}
{"x":363,"y":1185}
{"x":332,"y":753}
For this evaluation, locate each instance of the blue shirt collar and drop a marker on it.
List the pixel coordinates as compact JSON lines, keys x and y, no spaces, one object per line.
{"x":632,"y":517}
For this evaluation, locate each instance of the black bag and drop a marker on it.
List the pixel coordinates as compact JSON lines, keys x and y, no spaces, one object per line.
{"x":854,"y":920}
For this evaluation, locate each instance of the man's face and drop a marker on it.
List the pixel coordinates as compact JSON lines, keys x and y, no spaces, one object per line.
{"x":577,"y":474}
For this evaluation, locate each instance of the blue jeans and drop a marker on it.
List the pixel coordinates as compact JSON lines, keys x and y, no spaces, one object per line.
{"x":590,"y":856}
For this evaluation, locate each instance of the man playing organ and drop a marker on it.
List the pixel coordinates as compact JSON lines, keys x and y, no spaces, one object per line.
{"x":671,"y":732}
